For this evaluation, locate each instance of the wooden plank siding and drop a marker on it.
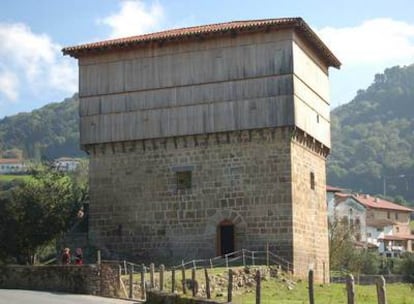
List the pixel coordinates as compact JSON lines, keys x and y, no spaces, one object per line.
{"x":186,"y":69}
{"x":192,"y":119}
{"x":311,"y":89}
{"x":310,"y":72}
{"x":219,"y":85}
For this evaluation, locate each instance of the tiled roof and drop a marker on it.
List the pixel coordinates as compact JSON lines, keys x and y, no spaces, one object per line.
{"x":365,"y":244}
{"x":371,"y":202}
{"x":211,"y":30}
{"x":379,"y":203}
{"x":397,"y":237}
{"x":10,"y":161}
{"x":333,"y":189}
{"x":67,"y":159}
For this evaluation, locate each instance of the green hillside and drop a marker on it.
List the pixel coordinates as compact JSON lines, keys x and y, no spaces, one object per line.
{"x":373,"y":137}
{"x":44,"y":134}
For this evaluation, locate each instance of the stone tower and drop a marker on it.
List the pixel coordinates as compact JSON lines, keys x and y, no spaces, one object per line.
{"x":207,"y":140}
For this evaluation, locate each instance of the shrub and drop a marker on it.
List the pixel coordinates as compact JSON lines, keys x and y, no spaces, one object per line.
{"x":406,"y":267}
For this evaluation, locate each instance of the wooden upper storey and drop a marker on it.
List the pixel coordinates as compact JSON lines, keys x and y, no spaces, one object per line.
{"x":185,"y":82}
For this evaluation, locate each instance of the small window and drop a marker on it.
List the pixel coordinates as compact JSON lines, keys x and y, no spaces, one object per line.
{"x":397,"y":229}
{"x":312,"y":180}
{"x":388,"y":215}
{"x":380,"y":229}
{"x":183,"y":180}
{"x":396,"y":215}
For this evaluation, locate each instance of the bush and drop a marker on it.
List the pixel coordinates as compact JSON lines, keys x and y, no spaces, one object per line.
{"x":406,"y":267}
{"x":370,"y":262}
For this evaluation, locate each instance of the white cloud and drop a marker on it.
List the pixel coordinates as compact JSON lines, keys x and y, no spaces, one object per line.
{"x":378,"y":41}
{"x":32,"y":62}
{"x":9,"y":85}
{"x":134,"y":18}
{"x":364,"y":50}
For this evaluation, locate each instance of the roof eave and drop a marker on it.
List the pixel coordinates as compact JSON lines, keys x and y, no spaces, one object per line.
{"x":297,"y":24}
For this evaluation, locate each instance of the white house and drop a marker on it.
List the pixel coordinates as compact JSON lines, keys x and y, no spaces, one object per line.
{"x":11,"y":165}
{"x":66,"y":164}
{"x":380,"y":223}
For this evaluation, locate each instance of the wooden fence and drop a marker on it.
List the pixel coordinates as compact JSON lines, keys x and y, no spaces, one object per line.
{"x":189,"y":285}
{"x":350,"y":285}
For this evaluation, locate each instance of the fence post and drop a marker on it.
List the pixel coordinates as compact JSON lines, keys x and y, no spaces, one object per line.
{"x":173,"y":280}
{"x":267,"y":254}
{"x":183,"y":281}
{"x":193,"y":279}
{"x":381,"y":291}
{"x":207,"y":284}
{"x":125,"y":268}
{"x":152,"y":270}
{"x":258,"y":287}
{"x":244,"y":259}
{"x":211,"y":263}
{"x":143,"y":282}
{"x":227,"y":261}
{"x":162,"y":268}
{"x":98,"y":257}
{"x":350,"y":288}
{"x":310,"y":285}
{"x":230,"y":287}
{"x":131,"y":281}
{"x":253,"y":258}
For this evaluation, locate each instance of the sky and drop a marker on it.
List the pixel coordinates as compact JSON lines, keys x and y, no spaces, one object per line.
{"x":367,"y":36}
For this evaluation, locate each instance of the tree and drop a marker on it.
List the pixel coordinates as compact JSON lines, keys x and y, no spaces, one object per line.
{"x":344,"y":255}
{"x":36,"y":212}
{"x":341,"y":244}
{"x":372,"y":137}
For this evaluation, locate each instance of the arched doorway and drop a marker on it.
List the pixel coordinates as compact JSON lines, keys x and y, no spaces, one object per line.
{"x":225,"y":237}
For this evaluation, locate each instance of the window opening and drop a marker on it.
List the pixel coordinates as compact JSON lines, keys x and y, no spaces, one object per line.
{"x":183,"y":180}
{"x":312,"y":180}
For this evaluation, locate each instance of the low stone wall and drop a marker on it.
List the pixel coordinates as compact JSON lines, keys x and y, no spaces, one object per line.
{"x":159,"y":297}
{"x":86,"y":279}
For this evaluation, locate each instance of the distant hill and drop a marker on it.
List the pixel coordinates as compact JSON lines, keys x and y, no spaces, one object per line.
{"x":373,"y":137}
{"x":44,"y":134}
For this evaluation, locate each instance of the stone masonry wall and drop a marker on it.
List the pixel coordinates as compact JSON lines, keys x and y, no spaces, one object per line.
{"x":310,"y":224}
{"x":101,"y":280}
{"x":245,"y":177}
{"x":259,"y":180}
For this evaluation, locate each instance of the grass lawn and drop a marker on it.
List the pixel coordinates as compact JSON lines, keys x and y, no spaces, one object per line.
{"x":276,"y":290}
{"x":11,"y":177}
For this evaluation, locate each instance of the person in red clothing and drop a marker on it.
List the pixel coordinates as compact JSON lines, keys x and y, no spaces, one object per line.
{"x":66,"y":256}
{"x":78,"y":256}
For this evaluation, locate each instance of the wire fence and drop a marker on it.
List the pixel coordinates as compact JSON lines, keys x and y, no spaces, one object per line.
{"x":243,"y":257}
{"x":147,"y":289}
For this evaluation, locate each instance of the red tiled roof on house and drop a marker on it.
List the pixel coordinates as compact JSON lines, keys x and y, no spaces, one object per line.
{"x":210,"y":30}
{"x":10,"y":161}
{"x":379,"y":203}
{"x":397,"y":237}
{"x":333,"y":189}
